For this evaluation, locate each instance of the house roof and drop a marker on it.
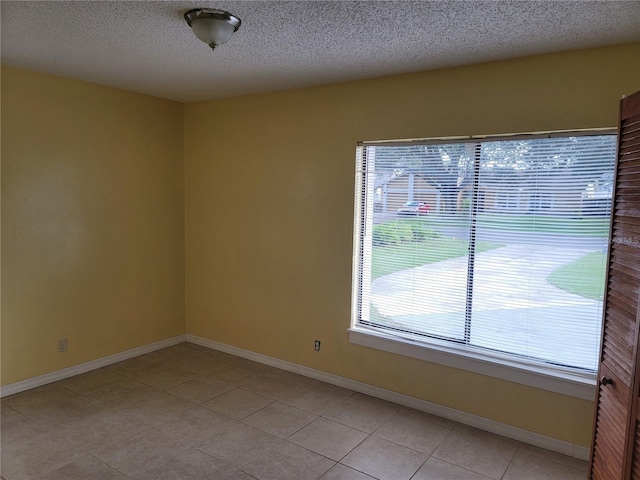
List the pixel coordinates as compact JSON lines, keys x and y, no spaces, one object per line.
{"x":147,"y":47}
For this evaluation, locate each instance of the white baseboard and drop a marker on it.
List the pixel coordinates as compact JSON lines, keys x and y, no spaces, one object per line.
{"x":515,"y":433}
{"x":88,"y":366}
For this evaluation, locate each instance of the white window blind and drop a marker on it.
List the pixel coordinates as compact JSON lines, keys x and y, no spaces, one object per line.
{"x":496,"y":246}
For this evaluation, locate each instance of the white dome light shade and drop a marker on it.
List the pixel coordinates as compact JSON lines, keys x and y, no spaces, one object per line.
{"x":212,"y":31}
{"x":213,"y":27}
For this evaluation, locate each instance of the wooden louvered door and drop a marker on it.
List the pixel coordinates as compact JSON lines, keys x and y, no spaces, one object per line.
{"x":635,"y":459}
{"x":630,"y":165}
{"x":615,"y":453}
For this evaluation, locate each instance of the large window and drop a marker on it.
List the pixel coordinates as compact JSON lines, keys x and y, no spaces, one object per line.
{"x":494,"y":248}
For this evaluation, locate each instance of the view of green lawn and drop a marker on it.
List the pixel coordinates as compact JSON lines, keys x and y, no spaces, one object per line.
{"x":596,"y":226}
{"x":590,"y":226}
{"x":584,"y":276}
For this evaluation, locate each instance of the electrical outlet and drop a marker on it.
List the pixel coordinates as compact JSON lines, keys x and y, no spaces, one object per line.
{"x":62,"y":344}
{"x":317,"y":346}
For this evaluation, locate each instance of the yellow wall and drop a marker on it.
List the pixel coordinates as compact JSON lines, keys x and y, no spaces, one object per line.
{"x":92,"y":221}
{"x":269,"y":222}
{"x":93,"y":215}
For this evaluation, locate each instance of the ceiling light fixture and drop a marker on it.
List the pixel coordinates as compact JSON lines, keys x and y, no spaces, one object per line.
{"x":213,"y":27}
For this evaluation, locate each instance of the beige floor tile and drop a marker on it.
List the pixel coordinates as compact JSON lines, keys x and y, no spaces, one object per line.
{"x":427,"y":417}
{"x":159,"y":361}
{"x":189,"y":465}
{"x":554,"y":457}
{"x":279,"y":419}
{"x":198,"y":347}
{"x":27,"y":459}
{"x":193,"y":350}
{"x":172,"y":354}
{"x":134,"y":367}
{"x":37,"y":398}
{"x":218,"y":356}
{"x":70,"y":410}
{"x":342,"y":472}
{"x":362,"y":412}
{"x":328,"y":438}
{"x":478,"y":451}
{"x":317,"y":397}
{"x":289,"y":462}
{"x":529,"y":467}
{"x":204,"y":363}
{"x":83,"y":382}
{"x":251,"y":363}
{"x":85,"y":468}
{"x":168,"y":378}
{"x":239,"y":372}
{"x":183,"y":349}
{"x":152,"y":408}
{"x":240,"y":476}
{"x":226,"y":371}
{"x":238,"y":403}
{"x":238,"y":444}
{"x":116,"y":392}
{"x":182,"y":357}
{"x":200,"y":367}
{"x":194,"y":425}
{"x":435,"y":469}
{"x":107,"y":423}
{"x":16,"y":427}
{"x":201,"y":389}
{"x":413,"y":433}
{"x":98,"y":429}
{"x":276,"y":384}
{"x":140,"y":452}
{"x":384,"y":460}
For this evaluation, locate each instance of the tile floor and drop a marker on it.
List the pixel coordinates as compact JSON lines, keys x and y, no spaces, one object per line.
{"x":187,"y":412}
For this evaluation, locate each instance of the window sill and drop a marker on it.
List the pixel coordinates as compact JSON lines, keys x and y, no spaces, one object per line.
{"x":577,"y":385}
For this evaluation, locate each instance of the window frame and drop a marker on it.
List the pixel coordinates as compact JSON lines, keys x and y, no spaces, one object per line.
{"x":466,"y":357}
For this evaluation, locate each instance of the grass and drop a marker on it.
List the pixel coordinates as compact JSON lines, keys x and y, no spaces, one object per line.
{"x":587,"y":226}
{"x":558,"y":224}
{"x":584,"y":276}
{"x":392,"y":258}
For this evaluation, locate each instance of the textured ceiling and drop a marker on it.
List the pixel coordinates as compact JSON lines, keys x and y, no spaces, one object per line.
{"x":148,"y":47}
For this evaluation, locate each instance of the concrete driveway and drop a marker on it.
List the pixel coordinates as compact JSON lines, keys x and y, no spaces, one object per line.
{"x":511,"y":299}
